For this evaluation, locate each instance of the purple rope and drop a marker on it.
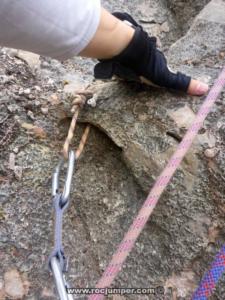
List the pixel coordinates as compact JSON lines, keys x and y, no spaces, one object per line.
{"x":211,"y":278}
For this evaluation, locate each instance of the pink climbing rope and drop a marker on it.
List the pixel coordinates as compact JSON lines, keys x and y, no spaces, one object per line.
{"x":139,"y":222}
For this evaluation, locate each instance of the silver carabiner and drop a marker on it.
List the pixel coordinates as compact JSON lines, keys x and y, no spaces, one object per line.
{"x":69,"y":175}
{"x":60,"y":280}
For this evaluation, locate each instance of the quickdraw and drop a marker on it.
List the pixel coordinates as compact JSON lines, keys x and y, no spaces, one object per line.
{"x":141,"y":219}
{"x":57,"y":262}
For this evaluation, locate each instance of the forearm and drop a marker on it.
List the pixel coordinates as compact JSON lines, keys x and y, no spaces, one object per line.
{"x":111,"y":38}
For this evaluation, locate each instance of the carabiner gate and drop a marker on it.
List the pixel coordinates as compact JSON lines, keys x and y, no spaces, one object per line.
{"x":60,"y":280}
{"x":68,"y":180}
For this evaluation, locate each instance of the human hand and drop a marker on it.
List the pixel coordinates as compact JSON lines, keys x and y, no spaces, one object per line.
{"x":142,"y":61}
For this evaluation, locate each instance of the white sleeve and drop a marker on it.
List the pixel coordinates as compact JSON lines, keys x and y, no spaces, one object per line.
{"x":56,"y":28}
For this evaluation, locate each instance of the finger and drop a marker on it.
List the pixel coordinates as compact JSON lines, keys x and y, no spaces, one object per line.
{"x":197,"y":88}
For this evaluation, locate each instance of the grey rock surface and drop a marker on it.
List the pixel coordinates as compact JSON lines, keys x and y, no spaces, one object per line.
{"x":134,"y":132}
{"x":185,"y":10}
{"x":204,"y":43}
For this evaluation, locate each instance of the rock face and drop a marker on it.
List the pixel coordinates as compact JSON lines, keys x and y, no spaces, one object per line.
{"x":185,"y":11}
{"x":134,"y":132}
{"x":204,"y":42}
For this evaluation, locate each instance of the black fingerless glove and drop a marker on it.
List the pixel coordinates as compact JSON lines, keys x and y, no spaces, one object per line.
{"x":141,"y":58}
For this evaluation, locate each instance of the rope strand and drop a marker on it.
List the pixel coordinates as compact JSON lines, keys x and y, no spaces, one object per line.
{"x":78,"y":103}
